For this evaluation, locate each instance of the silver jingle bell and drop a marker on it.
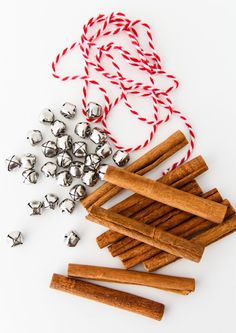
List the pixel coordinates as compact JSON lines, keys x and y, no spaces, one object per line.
{"x":46,"y":116}
{"x":93,"y":110}
{"x":71,"y":238}
{"x":49,"y":169}
{"x":64,"y":178}
{"x":58,"y":128}
{"x":92,"y":161}
{"x":68,"y":110}
{"x":121,"y":158}
{"x":67,"y":206}
{"x":15,"y":238}
{"x":34,"y":137}
{"x":103,"y":150}
{"x":28,"y":161}
{"x":12,"y":163}
{"x":50,"y":201}
{"x":101,"y":171}
{"x":89,"y":178}
{"x":77,"y":192}
{"x":34,"y":207}
{"x":79,"y":149}
{"x":97,"y":135}
{"x":83,"y":130}
{"x":64,"y":159}
{"x":64,"y":142}
{"x":76,"y":169}
{"x":49,"y":149}
{"x":30,"y":176}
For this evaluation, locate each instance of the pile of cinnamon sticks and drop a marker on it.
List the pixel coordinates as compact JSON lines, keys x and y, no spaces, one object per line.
{"x":163,"y":221}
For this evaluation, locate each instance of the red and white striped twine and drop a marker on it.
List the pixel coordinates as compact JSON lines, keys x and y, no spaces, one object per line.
{"x":145,"y":60}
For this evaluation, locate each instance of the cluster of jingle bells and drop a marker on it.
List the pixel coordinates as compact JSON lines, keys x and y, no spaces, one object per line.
{"x":72,"y":161}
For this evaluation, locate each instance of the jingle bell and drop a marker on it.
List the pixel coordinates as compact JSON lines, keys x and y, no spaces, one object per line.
{"x":76,"y":169}
{"x":101,"y":171}
{"x":71,"y":238}
{"x":49,"y":169}
{"x":64,"y":159}
{"x":30,"y":176}
{"x":89,"y":178}
{"x":49,"y":149}
{"x":79,"y":149}
{"x":50,"y":201}
{"x":67,"y":206}
{"x":64,"y":178}
{"x":121,"y":158}
{"x":46,"y":116}
{"x":15,"y":238}
{"x":98,"y":136}
{"x":103,"y":150}
{"x":58,"y":128}
{"x":34,"y":207}
{"x":34,"y":137}
{"x":77,"y":192}
{"x":93,"y":110}
{"x":92,"y":161}
{"x":68,"y":110}
{"x":28,"y":161}
{"x":64,"y":142}
{"x":82,"y":130}
{"x":13,"y":163}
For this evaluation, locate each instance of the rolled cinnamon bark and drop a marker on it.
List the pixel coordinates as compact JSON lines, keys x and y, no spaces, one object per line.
{"x":108,"y":296}
{"x":205,"y":238}
{"x":163,"y":282}
{"x":135,"y":203}
{"x":142,"y":165}
{"x":146,"y":234}
{"x":168,"y":195}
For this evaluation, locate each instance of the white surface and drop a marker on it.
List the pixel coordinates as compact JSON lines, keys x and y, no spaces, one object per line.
{"x":196,"y":41}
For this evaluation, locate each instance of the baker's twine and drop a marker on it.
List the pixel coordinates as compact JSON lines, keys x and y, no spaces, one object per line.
{"x":143,"y":59}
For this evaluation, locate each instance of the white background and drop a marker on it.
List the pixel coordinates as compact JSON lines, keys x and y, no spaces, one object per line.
{"x":196,"y":41}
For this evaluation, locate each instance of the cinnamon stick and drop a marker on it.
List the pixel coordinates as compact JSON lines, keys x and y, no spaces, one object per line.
{"x":158,"y":215}
{"x":142,"y":165}
{"x":166,"y":194}
{"x":108,"y":296}
{"x":147,"y":234}
{"x":163,"y":282}
{"x":134,"y":203}
{"x":205,"y":238}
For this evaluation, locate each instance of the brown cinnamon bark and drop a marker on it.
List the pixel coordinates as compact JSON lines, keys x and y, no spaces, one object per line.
{"x":166,"y":194}
{"x":147,"y":234}
{"x":134,"y":203}
{"x":142,"y":165}
{"x":108,"y":296}
{"x":209,"y":236}
{"x":163,"y":282}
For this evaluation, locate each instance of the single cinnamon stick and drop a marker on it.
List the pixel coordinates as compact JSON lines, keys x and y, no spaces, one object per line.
{"x":146,"y":234}
{"x":163,"y":282}
{"x":108,"y":296}
{"x":143,"y":252}
{"x":142,"y":165}
{"x":206,"y":238}
{"x":157,"y":216}
{"x":168,"y":195}
{"x":134,"y":203}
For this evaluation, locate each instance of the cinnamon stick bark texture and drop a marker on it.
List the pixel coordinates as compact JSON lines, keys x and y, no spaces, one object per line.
{"x":168,"y":195}
{"x":108,"y":296}
{"x":142,"y":165}
{"x":146,"y":234}
{"x":164,"y":282}
{"x":134,"y":203}
{"x":206,"y":238}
